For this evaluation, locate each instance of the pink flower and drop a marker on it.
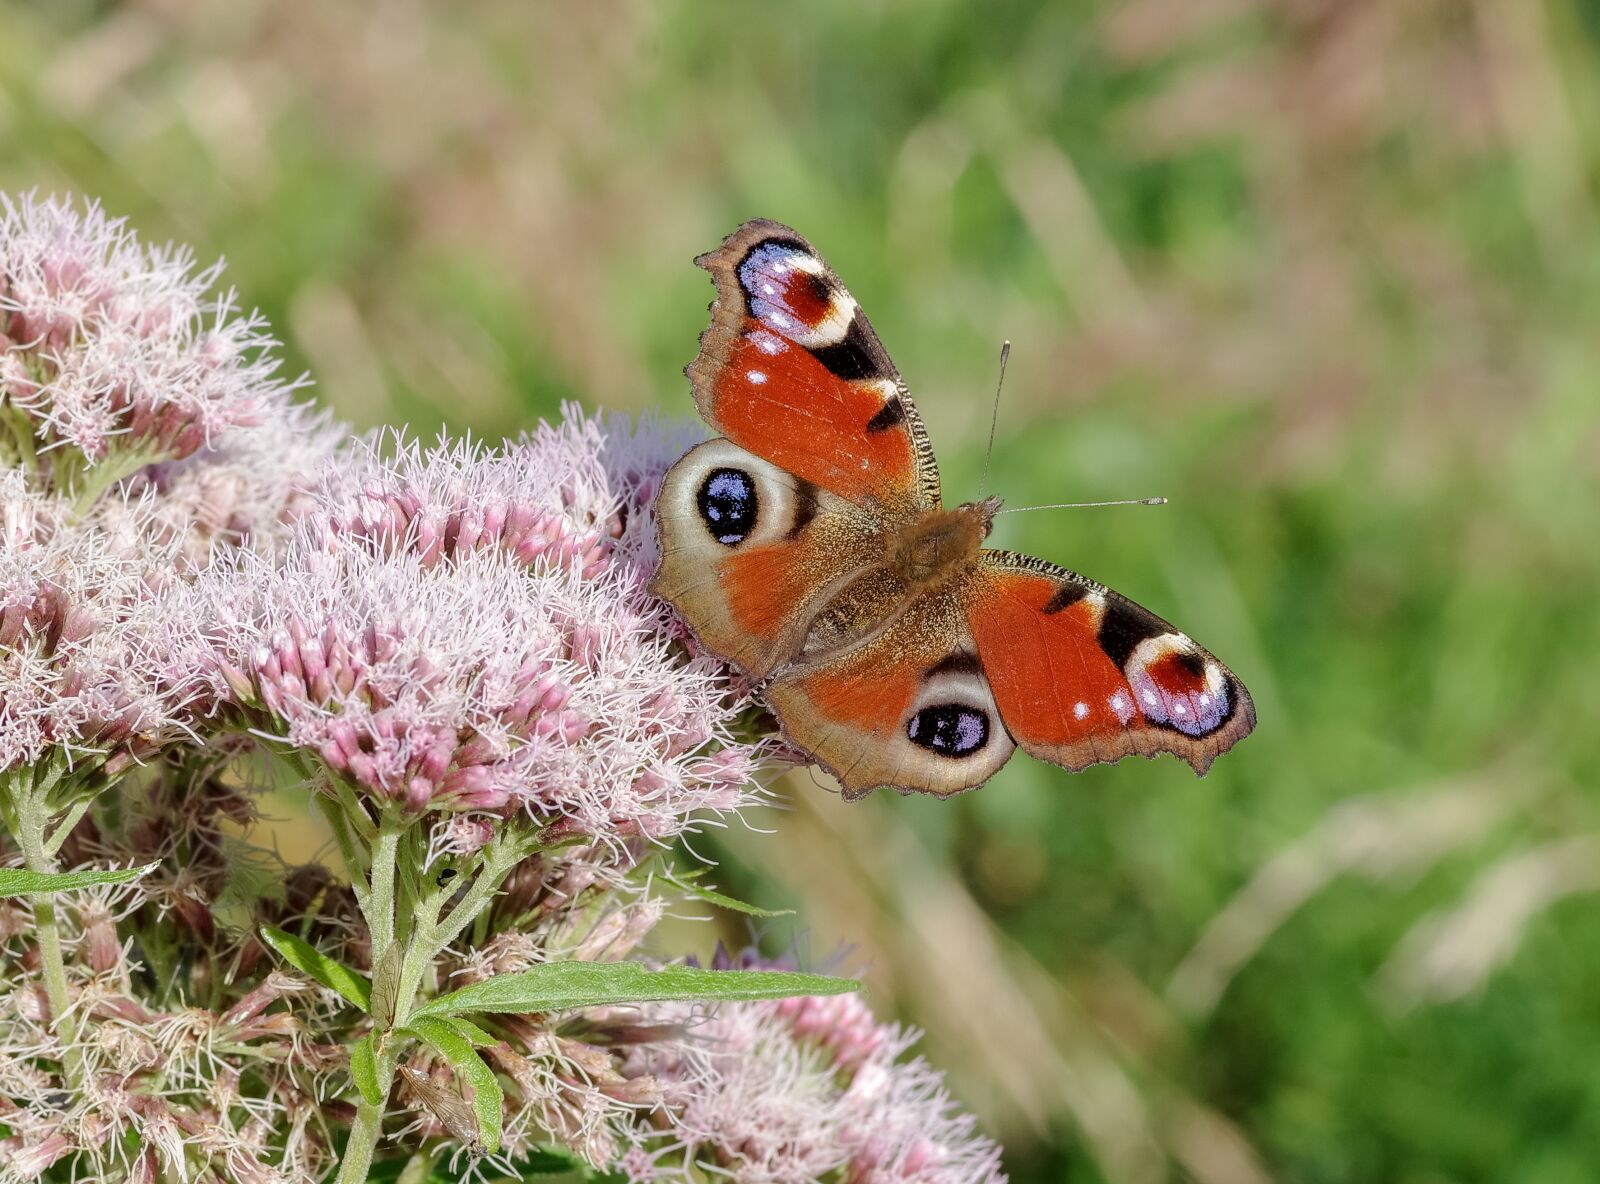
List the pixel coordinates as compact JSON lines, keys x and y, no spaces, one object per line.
{"x":463,"y":629}
{"x":83,"y":669}
{"x":786,"y":1091}
{"x":244,"y":490}
{"x":109,"y":347}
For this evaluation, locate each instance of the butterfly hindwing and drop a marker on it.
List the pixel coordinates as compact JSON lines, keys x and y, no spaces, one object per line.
{"x":792,"y":370}
{"x":1082,"y":674}
{"x":909,"y":708}
{"x":749,"y":552}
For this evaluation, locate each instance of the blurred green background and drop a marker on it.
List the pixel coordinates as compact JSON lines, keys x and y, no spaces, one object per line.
{"x":1323,"y":272}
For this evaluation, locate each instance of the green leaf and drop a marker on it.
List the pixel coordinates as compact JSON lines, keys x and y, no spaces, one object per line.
{"x":556,"y":986}
{"x":336,"y":976}
{"x":723,"y":901}
{"x":487,"y":1100}
{"x":16,"y":881}
{"x":364,"y":1071}
{"x":471,"y":1032}
{"x":555,"y":1164}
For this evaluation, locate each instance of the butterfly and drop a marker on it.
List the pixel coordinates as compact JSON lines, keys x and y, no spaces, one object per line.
{"x":809,"y":547}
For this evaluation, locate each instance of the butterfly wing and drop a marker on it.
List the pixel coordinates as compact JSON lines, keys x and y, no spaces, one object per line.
{"x":1082,"y":674}
{"x":909,"y":708}
{"x":749,"y":552}
{"x":791,"y":370}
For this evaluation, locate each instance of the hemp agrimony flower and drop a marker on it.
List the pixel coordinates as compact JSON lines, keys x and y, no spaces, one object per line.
{"x":465,"y":630}
{"x":114,"y":354}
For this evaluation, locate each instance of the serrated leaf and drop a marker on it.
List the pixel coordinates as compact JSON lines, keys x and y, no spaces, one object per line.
{"x":364,"y":1071}
{"x":302,"y":955}
{"x":16,"y":881}
{"x":557,"y":986}
{"x":487,"y":1100}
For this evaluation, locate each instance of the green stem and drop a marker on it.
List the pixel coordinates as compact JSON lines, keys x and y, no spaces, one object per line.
{"x":499,"y":858}
{"x":422,"y":935}
{"x":380,"y":893}
{"x":87,"y":483}
{"x":430,"y":936}
{"x":32,"y":818}
{"x":64,"y":827}
{"x":364,"y":1134}
{"x":349,"y":849}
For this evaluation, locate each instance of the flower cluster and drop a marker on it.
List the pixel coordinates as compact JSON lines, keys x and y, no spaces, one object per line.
{"x":799,"y":1090}
{"x":144,"y":430}
{"x":457,"y":629}
{"x":81,"y":670}
{"x":109,"y":347}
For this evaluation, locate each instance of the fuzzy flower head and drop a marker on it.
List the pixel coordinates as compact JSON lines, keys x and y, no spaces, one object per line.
{"x":112,"y":348}
{"x":244,"y":490}
{"x":465,"y":630}
{"x":791,"y":1090}
{"x":83,"y":671}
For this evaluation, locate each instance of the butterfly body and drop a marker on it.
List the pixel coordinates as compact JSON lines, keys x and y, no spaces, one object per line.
{"x":809,"y":546}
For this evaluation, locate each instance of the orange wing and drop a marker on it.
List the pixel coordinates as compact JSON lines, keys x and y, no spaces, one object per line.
{"x":908,"y":709}
{"x":791,"y":370}
{"x":1081,"y":674}
{"x":749,"y":553}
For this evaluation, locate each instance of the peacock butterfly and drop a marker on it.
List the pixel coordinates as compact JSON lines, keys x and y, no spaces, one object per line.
{"x":808,"y":546}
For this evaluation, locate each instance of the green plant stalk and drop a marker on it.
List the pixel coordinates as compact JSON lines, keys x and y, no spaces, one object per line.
{"x":85,"y":483}
{"x":377,"y":901}
{"x":427,"y":938}
{"x":363,"y":1140}
{"x":28,"y":817}
{"x":380,"y":906}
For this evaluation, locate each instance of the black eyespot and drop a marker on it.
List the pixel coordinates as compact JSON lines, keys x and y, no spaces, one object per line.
{"x":950,"y":729}
{"x":728,"y":505}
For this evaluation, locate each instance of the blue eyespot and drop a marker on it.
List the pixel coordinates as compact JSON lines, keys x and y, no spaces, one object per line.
{"x":728,"y":505}
{"x":949,"y":729}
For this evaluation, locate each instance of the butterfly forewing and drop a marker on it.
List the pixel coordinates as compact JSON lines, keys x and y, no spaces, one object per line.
{"x":792,"y":370}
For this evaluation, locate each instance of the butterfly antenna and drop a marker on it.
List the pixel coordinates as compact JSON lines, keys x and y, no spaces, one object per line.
{"x":1132,"y":501}
{"x":994,"y":417}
